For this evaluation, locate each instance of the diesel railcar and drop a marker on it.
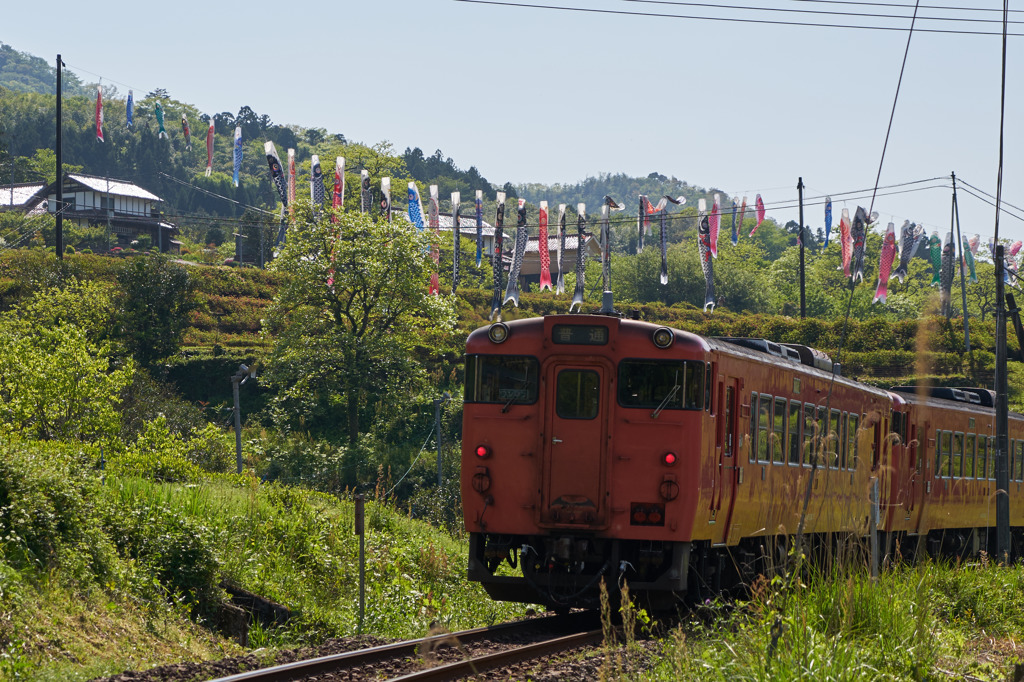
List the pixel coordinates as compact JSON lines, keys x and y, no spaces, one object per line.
{"x":600,"y":447}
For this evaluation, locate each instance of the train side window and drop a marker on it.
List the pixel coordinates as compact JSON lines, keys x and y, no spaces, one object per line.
{"x":794,"y":432}
{"x":707,"y":387}
{"x":822,"y":454}
{"x":577,"y":394}
{"x":753,"y":427}
{"x":504,"y":379}
{"x":844,"y":420}
{"x":764,"y":425}
{"x":834,"y":436}
{"x":958,"y":455}
{"x":991,"y":459}
{"x":852,"y":439}
{"x":979,"y":468}
{"x":809,"y":434}
{"x":779,"y":439}
{"x":945,"y":448}
{"x":1020,"y":460}
{"x":969,"y":441}
{"x":730,"y":425}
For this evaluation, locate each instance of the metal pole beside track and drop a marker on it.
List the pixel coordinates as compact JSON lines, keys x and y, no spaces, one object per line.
{"x":360,"y":512}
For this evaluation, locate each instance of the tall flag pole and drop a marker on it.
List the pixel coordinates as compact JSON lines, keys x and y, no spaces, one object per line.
{"x":496,"y":259}
{"x":607,"y":207}
{"x":415,"y":207}
{"x":457,"y":238}
{"x":130,"y":109}
{"x":522,"y":238}
{"x":434,"y":222}
{"x":663,"y":216}
{"x":317,"y":191}
{"x":338,"y":200}
{"x":581,"y":256}
{"x":99,"y":113}
{"x":364,"y":191}
{"x":291,"y":182}
{"x":385,"y":199}
{"x":186,"y":131}
{"x":162,"y":132}
{"x":560,"y":281}
{"x":237,"y":164}
{"x":542,"y":247}
{"x":479,"y":226}
{"x":209,"y":148}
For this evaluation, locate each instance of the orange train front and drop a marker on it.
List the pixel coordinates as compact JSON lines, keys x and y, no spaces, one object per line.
{"x":597,"y":448}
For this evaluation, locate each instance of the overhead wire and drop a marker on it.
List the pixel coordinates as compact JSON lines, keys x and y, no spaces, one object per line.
{"x":740,"y":20}
{"x":869,"y":15}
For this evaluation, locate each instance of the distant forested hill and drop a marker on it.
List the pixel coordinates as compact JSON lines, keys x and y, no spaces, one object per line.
{"x":22,"y":72}
{"x":618,"y":186}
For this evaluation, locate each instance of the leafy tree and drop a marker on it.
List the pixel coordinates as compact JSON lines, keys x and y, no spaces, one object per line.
{"x":353,"y":326}
{"x":56,"y":380}
{"x":152,"y":306}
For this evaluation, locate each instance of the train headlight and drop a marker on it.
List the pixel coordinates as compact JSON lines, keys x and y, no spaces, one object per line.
{"x":482,"y":451}
{"x":497,"y":332}
{"x":663,"y":337}
{"x":669,"y":458}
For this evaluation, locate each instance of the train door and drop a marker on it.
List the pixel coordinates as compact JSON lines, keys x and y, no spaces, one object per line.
{"x":575,"y":446}
{"x":727,"y":442}
{"x":923,"y":475}
{"x":913,"y":457}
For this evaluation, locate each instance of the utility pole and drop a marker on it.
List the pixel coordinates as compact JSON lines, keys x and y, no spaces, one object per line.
{"x":800,"y":240}
{"x":1002,"y":408}
{"x":59,"y":232}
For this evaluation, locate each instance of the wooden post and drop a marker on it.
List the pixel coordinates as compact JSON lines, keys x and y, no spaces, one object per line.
{"x":360,"y":526}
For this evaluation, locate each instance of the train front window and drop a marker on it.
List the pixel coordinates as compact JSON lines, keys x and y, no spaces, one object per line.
{"x":665,"y":384}
{"x":578,"y":394}
{"x":505,"y":379}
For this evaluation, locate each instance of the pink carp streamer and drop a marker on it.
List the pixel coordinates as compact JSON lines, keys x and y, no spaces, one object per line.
{"x":715,"y":223}
{"x":542,"y":247}
{"x":758,"y":213}
{"x":338,"y":199}
{"x":846,"y":240}
{"x":885,"y":260}
{"x":99,"y":113}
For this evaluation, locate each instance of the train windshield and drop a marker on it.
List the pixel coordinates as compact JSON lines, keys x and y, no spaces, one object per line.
{"x":668,"y":384}
{"x":506,"y":379}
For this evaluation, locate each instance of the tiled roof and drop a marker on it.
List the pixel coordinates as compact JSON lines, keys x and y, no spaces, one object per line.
{"x":21,"y":193}
{"x":570,"y":242}
{"x":119,"y":188}
{"x":444,"y":222}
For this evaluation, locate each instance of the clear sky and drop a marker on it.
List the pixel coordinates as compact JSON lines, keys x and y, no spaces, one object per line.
{"x":537,"y":95}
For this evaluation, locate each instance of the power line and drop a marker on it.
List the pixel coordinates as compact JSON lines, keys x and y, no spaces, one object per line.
{"x":869,"y":15}
{"x":773,"y":22}
{"x":907,"y":6}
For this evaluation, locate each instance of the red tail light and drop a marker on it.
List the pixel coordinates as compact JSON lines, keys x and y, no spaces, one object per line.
{"x":482,"y":451}
{"x":669,"y":458}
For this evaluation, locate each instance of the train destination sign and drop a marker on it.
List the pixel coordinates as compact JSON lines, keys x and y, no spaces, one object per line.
{"x":580,"y":334}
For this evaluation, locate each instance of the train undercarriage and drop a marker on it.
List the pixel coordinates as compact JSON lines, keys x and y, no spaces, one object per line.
{"x":566,"y":571}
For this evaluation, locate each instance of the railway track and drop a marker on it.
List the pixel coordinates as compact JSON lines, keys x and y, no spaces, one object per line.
{"x":446,"y":656}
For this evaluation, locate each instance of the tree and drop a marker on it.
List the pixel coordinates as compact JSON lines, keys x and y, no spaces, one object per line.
{"x":152,"y":306}
{"x":353,"y":325}
{"x":56,"y":378}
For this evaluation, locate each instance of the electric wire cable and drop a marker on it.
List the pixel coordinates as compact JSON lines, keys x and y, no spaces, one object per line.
{"x":740,"y":20}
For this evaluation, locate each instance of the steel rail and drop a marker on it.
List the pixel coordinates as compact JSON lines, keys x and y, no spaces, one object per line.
{"x":351,"y":659}
{"x":473,"y":666}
